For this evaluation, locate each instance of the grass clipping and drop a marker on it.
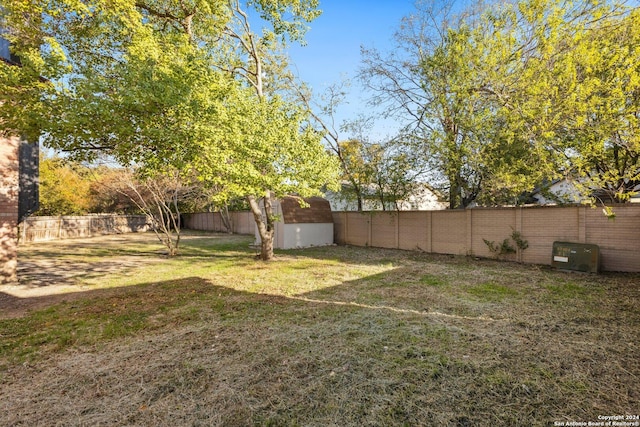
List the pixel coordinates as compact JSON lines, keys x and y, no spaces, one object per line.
{"x":326,"y":336}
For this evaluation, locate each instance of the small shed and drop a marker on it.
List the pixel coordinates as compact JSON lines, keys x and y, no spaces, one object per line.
{"x":302,"y":227}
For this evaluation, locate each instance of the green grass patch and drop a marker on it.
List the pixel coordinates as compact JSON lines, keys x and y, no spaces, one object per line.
{"x":101,"y":317}
{"x":491,"y":292}
{"x":435,"y":281}
{"x":570,"y":290}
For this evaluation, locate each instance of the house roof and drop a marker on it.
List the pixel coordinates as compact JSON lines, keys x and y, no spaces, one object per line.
{"x":318,"y":211}
{"x":5,"y":53}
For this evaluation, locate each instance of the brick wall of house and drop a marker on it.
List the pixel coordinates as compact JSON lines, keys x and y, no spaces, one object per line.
{"x":9,"y":189}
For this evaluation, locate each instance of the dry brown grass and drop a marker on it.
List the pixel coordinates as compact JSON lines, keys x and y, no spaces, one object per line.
{"x":326,"y":336}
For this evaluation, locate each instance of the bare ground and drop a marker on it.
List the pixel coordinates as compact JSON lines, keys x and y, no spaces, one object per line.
{"x":54,"y":272}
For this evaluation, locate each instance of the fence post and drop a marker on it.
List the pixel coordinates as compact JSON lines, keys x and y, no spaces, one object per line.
{"x":582,"y":224}
{"x":469,"y":243}
{"x":397,"y":213}
{"x":518,"y":228}
{"x":345,"y":232}
{"x":429,"y":227}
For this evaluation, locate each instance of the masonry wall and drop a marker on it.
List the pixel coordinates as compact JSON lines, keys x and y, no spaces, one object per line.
{"x":243,"y":222}
{"x":43,"y":228}
{"x":462,"y":232}
{"x":9,"y":189}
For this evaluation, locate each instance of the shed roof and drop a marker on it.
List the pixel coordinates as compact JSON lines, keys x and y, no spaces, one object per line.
{"x":318,"y":211}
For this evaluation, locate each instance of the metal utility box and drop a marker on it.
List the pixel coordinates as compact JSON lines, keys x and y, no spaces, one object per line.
{"x":576,"y":257}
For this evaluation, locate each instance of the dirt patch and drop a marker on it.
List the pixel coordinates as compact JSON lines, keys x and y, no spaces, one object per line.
{"x":53,"y":272}
{"x":43,"y":283}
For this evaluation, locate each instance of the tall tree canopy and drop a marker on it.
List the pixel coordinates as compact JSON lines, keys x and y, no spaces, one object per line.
{"x":429,"y":83}
{"x":581,"y":107}
{"x":518,"y":95}
{"x":182,"y":83}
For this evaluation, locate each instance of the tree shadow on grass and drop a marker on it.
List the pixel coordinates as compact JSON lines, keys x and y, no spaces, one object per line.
{"x":196,"y":345}
{"x":204,"y":353}
{"x":67,"y":263}
{"x":48,"y":272}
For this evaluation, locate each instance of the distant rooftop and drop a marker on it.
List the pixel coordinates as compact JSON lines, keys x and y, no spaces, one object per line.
{"x":4,"y":49}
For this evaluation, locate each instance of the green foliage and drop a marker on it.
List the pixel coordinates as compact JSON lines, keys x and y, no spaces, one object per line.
{"x":72,"y":188}
{"x":185,"y":86}
{"x":379,"y":173}
{"x":506,"y":247}
{"x":435,"y":85}
{"x":608,"y":212}
{"x":521,"y":244}
{"x":523,"y":93}
{"x":266,"y":147}
{"x":580,"y":103}
{"x":503,"y":248}
{"x":64,"y":188}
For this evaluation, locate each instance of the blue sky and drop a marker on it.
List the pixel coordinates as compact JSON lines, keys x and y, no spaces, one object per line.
{"x":334,"y":39}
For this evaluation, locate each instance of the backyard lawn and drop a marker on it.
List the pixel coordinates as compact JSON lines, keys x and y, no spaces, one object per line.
{"x":109,"y":331}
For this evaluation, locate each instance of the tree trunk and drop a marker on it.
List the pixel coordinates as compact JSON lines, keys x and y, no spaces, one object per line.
{"x":358,"y":191}
{"x":227,"y":221}
{"x":453,"y":198}
{"x":265,"y":226}
{"x":266,"y":248}
{"x":381,"y":197}
{"x":455,"y":192}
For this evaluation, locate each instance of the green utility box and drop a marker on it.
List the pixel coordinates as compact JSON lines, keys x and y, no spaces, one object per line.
{"x":576,"y":257}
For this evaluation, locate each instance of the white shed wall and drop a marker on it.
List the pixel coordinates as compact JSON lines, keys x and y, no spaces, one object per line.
{"x":305,"y":235}
{"x":291,"y":236}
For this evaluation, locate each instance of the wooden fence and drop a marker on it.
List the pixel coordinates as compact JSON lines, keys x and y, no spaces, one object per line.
{"x":243,"y":222}
{"x":41,"y":228}
{"x":462,"y":232}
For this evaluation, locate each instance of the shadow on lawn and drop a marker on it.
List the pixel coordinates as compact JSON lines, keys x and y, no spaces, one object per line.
{"x":253,"y":359}
{"x":50,"y":271}
{"x":367,"y":351}
{"x":141,"y":298}
{"x":67,"y":262}
{"x":407,"y":287}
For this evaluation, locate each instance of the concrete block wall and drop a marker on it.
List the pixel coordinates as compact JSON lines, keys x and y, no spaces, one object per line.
{"x":243,"y":222}
{"x":43,"y":228}
{"x":462,"y":232}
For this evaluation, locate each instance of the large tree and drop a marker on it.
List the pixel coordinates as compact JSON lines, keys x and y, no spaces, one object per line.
{"x":184,"y":84}
{"x":382,"y":174}
{"x":520,"y":94}
{"x":428,"y":82}
{"x":577,"y":99}
{"x":277,"y":151}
